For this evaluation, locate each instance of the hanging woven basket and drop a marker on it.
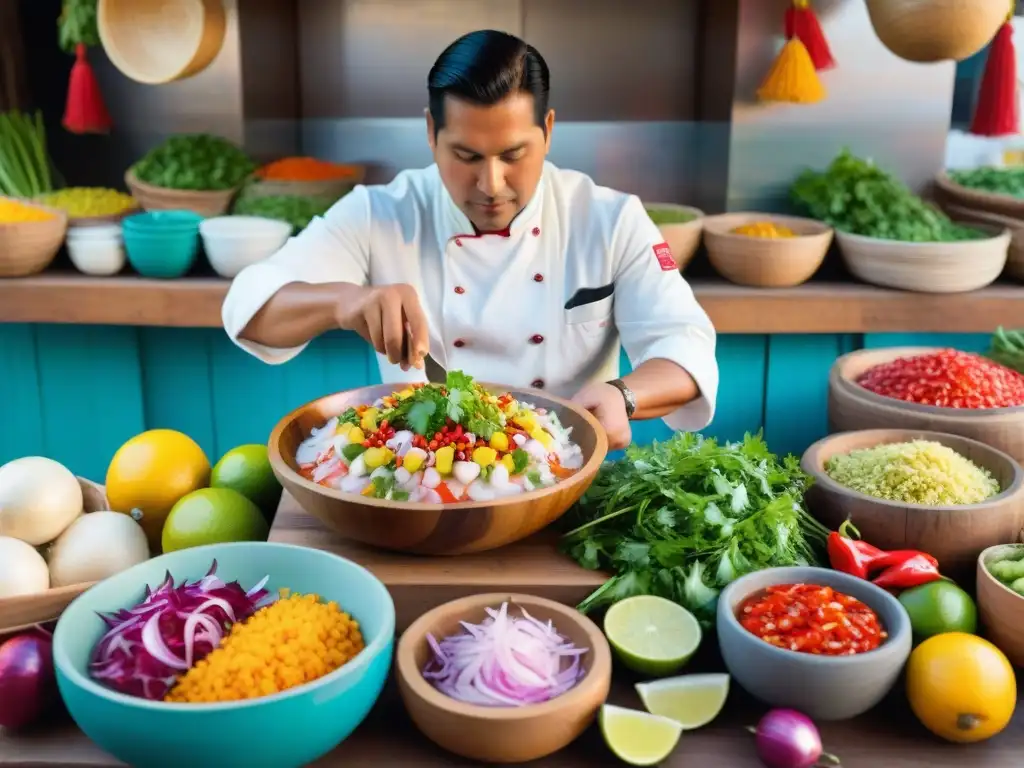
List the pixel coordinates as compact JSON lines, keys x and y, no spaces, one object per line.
{"x":936,"y":30}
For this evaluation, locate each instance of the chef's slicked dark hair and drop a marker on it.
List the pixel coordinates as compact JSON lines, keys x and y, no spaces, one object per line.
{"x":484,"y":67}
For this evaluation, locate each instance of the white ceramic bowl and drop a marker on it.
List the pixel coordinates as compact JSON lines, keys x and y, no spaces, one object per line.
{"x":97,"y":250}
{"x":232,"y":243}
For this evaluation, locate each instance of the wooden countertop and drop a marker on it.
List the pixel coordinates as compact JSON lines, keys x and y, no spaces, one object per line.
{"x":816,"y":307}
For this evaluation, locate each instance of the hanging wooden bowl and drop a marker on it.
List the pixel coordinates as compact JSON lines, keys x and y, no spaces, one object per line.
{"x":683,"y":238}
{"x":766,"y":262}
{"x":852,"y":407}
{"x":955,"y":535}
{"x":17,"y":613}
{"x":1015,"y":256}
{"x":160,"y":41}
{"x":926,"y":31}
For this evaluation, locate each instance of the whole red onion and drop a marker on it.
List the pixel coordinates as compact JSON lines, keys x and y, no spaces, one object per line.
{"x":789,"y":739}
{"x":27,"y":683}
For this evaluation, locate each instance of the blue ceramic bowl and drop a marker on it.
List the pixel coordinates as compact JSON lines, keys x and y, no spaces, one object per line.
{"x":159,"y":253}
{"x":162,"y":221}
{"x":291,"y":728}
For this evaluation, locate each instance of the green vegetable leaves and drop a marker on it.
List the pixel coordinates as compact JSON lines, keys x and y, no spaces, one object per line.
{"x":24,"y":161}
{"x":1000,"y":181}
{"x":683,"y":518}
{"x":195,"y":161}
{"x":855,"y":196}
{"x":461,"y":400}
{"x":77,"y":24}
{"x":293,"y":209}
{"x":1007,"y":348}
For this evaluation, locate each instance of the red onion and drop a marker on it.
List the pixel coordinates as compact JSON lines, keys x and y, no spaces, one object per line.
{"x":504,"y":661}
{"x":147,"y":647}
{"x":27,"y":683}
{"x":789,"y":739}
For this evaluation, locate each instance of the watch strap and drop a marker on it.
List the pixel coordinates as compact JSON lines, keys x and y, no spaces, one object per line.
{"x":627,"y":395}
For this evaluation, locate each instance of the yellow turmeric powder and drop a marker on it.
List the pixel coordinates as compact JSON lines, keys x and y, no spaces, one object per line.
{"x":293,"y":641}
{"x":16,"y":212}
{"x":765,"y":229}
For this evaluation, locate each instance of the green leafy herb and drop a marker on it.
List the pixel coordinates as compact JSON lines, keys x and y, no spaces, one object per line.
{"x":297,"y":210}
{"x":1007,"y":348}
{"x":683,"y":518}
{"x":856,"y":196}
{"x":460,"y":399}
{"x":662,"y":216}
{"x":383,"y":487}
{"x":352,"y":451}
{"x":1000,"y":181}
{"x":349,"y":417}
{"x":520,"y":460}
{"x":77,"y":24}
{"x":197,"y":161}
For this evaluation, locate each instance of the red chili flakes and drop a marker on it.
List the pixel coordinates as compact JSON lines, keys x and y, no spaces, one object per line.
{"x":812,"y":619}
{"x":947,"y":379}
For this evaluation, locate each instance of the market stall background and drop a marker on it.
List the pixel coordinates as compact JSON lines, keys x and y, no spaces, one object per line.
{"x":692,"y":134}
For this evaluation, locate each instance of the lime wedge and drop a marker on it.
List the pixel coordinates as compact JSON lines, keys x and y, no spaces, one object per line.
{"x":693,"y":701}
{"x":636,"y":737}
{"x":652,"y":635}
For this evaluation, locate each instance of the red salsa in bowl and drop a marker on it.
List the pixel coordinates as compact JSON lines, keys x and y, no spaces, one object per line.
{"x":809,"y":618}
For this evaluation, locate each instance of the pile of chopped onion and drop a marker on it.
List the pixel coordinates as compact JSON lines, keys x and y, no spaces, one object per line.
{"x":504,"y":661}
{"x":149,"y":646}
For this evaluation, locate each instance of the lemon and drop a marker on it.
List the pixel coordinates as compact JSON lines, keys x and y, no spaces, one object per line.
{"x":693,"y":701}
{"x":636,"y":737}
{"x":652,"y":635}
{"x":150,"y":472}
{"x":247,"y":469}
{"x":213,"y":516}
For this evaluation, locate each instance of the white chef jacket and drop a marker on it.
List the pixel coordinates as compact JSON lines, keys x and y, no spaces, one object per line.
{"x":496,"y":303}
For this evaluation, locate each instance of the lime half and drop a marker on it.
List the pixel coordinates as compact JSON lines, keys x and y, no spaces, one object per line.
{"x":693,"y":701}
{"x":636,"y":737}
{"x":652,"y":635}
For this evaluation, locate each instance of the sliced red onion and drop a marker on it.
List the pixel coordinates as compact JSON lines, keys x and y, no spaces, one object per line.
{"x":504,"y":661}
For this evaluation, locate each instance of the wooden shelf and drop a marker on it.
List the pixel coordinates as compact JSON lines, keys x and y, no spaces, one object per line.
{"x":816,"y":307}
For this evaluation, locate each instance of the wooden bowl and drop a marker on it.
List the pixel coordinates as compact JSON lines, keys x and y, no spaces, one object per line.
{"x":1000,"y":608}
{"x":329,"y":189}
{"x":946,"y":191}
{"x":433,"y":529}
{"x":852,"y":407}
{"x":766,"y":262}
{"x":159,"y":41}
{"x":935,"y":30}
{"x":955,"y":267}
{"x":684,"y":238}
{"x":954,"y":534}
{"x":1015,"y":256}
{"x":502,"y":734}
{"x":17,"y":613}
{"x":205,"y":203}
{"x":29,"y":247}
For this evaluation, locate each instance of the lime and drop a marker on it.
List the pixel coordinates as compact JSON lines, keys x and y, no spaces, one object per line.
{"x":652,"y":635}
{"x":693,"y":701}
{"x":211,"y":516}
{"x":246,"y":469}
{"x":636,"y":737}
{"x":939,"y":607}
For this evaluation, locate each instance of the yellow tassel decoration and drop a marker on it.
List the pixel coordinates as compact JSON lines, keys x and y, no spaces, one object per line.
{"x":792,"y":77}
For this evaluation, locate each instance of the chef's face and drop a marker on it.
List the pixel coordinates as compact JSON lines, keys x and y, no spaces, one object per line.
{"x":491,"y":157}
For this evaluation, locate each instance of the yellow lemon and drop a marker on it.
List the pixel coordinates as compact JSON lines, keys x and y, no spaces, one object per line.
{"x":151,"y":472}
{"x":961,"y":687}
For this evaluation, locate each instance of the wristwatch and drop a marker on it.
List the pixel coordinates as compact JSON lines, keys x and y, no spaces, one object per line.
{"x":627,"y":395}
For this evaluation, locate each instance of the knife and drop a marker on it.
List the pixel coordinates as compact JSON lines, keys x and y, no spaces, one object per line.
{"x":436,"y":373}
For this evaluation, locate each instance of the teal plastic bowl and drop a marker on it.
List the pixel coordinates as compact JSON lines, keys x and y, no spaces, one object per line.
{"x":291,"y":728}
{"x":162,"y":254}
{"x":162,"y":221}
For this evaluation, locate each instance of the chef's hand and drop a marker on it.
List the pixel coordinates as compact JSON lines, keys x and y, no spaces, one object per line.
{"x":606,"y":403}
{"x":391,"y":318}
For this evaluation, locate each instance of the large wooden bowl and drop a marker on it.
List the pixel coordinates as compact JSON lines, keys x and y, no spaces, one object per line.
{"x":766,"y":262}
{"x":433,"y":529}
{"x":851,"y":406}
{"x":955,"y":535}
{"x":206,"y":203}
{"x":1000,"y":609}
{"x":945,"y":190}
{"x":1015,"y":257}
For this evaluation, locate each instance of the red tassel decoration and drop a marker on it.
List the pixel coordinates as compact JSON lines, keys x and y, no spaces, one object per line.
{"x":85,"y":111}
{"x":802,"y":24}
{"x":998,"y":110}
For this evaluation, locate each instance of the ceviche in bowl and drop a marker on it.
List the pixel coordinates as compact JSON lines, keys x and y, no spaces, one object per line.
{"x":437,"y":468}
{"x":441,"y":443}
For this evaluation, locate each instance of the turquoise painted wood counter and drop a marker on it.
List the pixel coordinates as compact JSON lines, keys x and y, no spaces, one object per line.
{"x":76,"y":393}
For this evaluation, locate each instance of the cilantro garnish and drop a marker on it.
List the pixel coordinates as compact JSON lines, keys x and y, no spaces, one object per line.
{"x":460,"y":399}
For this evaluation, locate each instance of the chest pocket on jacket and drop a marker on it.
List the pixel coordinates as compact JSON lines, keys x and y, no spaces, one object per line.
{"x":593,"y":313}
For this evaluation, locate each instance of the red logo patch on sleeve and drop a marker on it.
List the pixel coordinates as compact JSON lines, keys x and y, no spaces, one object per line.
{"x":664,"y":255}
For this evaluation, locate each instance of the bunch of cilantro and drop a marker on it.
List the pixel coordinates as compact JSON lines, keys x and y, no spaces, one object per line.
{"x":682,"y":518}
{"x":460,"y":399}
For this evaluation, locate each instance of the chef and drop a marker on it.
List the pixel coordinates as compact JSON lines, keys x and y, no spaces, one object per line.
{"x":494,"y":262}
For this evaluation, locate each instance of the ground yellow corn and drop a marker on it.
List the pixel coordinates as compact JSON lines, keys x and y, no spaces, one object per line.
{"x":293,"y":641}
{"x":14,"y":212}
{"x":765,"y":229}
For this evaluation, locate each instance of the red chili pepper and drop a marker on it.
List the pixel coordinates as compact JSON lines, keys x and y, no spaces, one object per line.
{"x":898,"y":557}
{"x":849,"y":554}
{"x":913,"y":572}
